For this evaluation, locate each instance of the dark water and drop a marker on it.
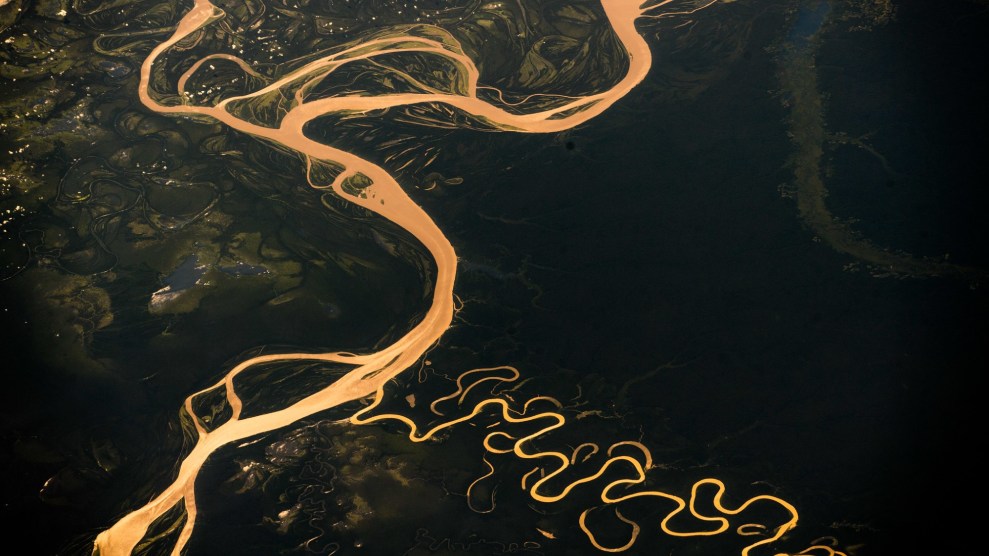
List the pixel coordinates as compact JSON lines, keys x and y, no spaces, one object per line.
{"x":809,"y":20}
{"x":643,"y":267}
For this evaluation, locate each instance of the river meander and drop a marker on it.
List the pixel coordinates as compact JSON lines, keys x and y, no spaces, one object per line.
{"x":248,"y":256}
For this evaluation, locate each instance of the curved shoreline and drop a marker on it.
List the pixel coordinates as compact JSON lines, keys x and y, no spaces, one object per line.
{"x":385,"y":197}
{"x":798,"y":80}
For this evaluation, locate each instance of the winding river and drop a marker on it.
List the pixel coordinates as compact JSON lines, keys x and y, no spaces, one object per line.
{"x":367,"y":185}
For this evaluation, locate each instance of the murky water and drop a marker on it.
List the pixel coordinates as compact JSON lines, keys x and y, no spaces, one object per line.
{"x":662,"y":270}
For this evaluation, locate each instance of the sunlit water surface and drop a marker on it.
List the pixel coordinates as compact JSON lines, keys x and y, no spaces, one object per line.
{"x":656,"y":270}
